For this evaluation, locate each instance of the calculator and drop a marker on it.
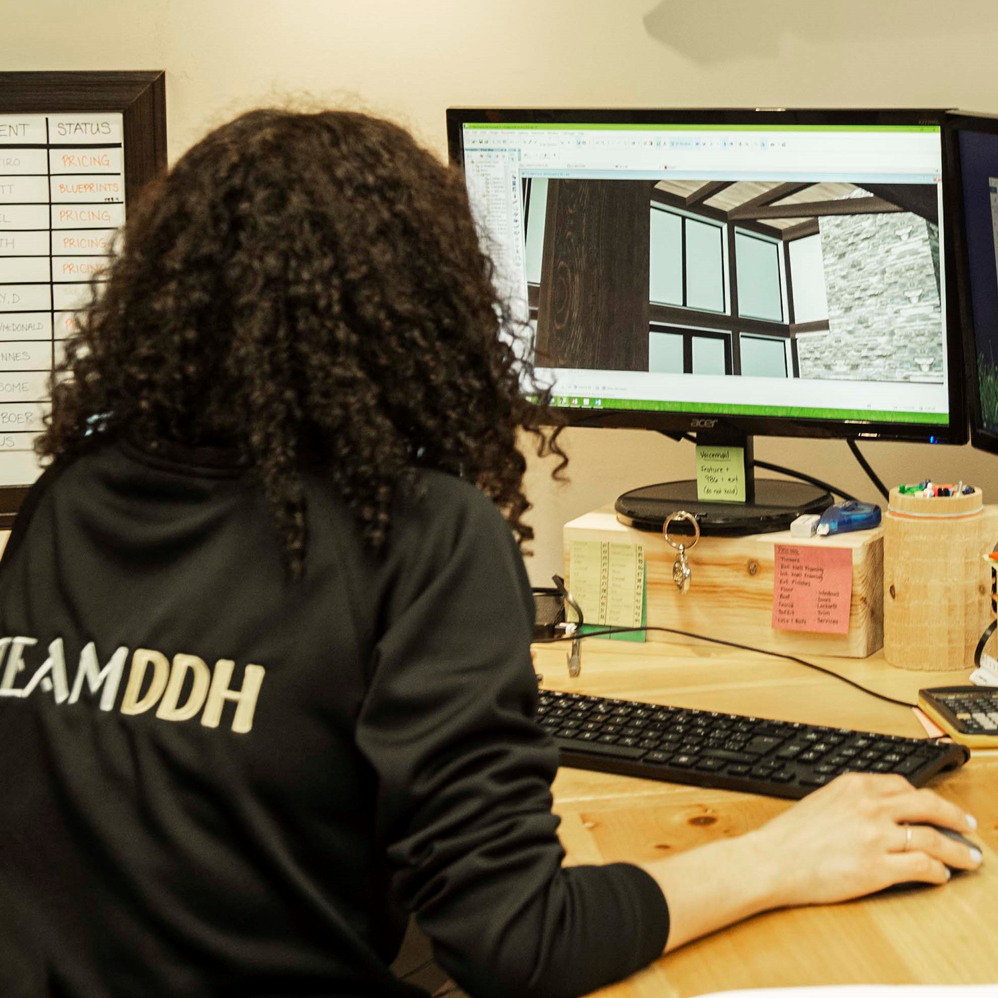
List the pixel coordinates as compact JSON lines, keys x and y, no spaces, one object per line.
{"x":969,"y":714}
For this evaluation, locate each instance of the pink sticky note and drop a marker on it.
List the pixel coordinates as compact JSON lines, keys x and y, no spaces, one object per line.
{"x":812,"y":587}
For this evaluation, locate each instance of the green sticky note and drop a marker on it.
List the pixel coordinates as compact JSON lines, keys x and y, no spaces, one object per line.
{"x":630,"y":635}
{"x":720,"y":474}
{"x":637,"y":635}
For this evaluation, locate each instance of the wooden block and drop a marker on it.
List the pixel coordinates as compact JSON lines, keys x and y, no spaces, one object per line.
{"x":937,"y":602}
{"x":731,"y":595}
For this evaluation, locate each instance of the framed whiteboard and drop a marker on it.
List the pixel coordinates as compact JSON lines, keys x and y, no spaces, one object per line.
{"x":75,"y":148}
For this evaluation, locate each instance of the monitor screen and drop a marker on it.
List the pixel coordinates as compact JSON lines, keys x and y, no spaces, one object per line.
{"x":978,"y":144}
{"x":786,"y":277}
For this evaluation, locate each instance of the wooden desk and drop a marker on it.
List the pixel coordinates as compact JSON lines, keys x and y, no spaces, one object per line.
{"x":925,"y":935}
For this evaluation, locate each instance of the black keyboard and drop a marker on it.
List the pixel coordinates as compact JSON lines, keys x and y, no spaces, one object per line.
{"x":708,"y":749}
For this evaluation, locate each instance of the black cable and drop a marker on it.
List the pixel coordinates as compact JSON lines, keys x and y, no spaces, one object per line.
{"x":729,"y":644}
{"x":789,"y":472}
{"x":804,"y":478}
{"x":865,"y":465}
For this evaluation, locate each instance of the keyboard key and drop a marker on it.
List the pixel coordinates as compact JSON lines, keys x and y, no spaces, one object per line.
{"x":683,"y":761}
{"x":658,"y":758}
{"x":725,"y":755}
{"x":762,"y":744}
{"x":710,"y":765}
{"x":600,"y":750}
{"x":814,"y":780}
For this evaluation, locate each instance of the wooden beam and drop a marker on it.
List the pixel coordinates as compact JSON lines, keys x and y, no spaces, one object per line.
{"x":818,"y":326}
{"x":736,"y":346}
{"x":919,"y":199}
{"x":790,"y":286}
{"x":675,"y":201}
{"x":800,"y":231}
{"x":690,"y":318}
{"x":707,"y":190}
{"x":811,"y":209}
{"x":777,"y":193}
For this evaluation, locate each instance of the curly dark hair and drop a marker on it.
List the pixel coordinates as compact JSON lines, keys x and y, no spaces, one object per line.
{"x":308,"y":289}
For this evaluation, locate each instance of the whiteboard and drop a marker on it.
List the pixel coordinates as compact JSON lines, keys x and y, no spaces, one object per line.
{"x":62,"y":198}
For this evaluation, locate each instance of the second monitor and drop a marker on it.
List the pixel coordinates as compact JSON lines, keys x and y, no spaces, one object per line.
{"x":728,"y":272}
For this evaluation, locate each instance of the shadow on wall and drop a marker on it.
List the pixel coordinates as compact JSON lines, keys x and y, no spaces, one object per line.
{"x":719,"y":30}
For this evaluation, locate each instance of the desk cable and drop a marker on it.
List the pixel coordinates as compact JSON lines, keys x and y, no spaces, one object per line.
{"x":605,"y":632}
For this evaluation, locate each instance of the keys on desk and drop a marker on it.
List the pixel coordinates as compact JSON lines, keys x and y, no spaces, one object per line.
{"x":711,"y":749}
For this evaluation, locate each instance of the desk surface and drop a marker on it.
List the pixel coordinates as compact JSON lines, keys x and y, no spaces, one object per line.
{"x":923,"y":936}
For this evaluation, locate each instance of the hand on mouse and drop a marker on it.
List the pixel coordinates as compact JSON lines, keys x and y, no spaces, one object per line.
{"x":845,"y":840}
{"x":852,"y":838}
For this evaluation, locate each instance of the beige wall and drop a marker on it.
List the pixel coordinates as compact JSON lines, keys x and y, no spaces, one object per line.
{"x":411,"y":59}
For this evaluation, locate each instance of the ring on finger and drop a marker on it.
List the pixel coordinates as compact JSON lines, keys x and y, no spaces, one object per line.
{"x":907,"y":838}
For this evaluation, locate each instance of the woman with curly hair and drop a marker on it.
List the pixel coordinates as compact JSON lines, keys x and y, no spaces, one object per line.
{"x":265,"y":684}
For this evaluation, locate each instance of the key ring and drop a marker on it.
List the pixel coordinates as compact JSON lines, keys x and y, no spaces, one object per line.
{"x":681,"y":573}
{"x":681,"y":514}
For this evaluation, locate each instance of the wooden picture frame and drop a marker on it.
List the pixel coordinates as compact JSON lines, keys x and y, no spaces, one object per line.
{"x":140,"y":98}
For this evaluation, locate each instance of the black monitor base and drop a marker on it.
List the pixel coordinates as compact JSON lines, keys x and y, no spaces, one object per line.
{"x":776,"y":504}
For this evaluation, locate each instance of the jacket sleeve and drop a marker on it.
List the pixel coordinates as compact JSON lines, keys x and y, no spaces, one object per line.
{"x":464,"y":775}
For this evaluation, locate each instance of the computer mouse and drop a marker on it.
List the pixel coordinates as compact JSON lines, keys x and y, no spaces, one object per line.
{"x":956,"y":837}
{"x":950,"y":834}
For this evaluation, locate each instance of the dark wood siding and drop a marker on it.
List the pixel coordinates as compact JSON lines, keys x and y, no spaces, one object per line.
{"x":593,"y":306}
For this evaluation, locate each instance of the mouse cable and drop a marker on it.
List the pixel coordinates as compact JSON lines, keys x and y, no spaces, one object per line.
{"x":865,"y":465}
{"x":728,"y":644}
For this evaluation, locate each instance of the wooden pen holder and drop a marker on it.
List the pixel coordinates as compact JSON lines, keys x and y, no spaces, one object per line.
{"x":936,"y":584}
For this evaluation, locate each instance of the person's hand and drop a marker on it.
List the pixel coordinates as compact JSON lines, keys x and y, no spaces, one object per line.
{"x":845,"y":840}
{"x":860,"y":834}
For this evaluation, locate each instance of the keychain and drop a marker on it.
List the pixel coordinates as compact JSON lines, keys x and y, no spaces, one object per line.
{"x":681,"y":567}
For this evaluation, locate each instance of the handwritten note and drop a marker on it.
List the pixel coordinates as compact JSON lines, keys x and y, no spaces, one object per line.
{"x":720,"y":474}
{"x":812,"y":588}
{"x":608,"y":581}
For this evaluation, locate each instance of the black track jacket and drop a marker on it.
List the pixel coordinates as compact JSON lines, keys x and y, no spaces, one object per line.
{"x":215,"y":781}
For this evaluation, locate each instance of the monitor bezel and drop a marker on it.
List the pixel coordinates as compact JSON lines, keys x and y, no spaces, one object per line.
{"x":981,"y":438}
{"x":952,"y":432}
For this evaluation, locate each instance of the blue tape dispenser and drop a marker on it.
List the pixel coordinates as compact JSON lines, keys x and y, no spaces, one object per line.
{"x":845,"y":516}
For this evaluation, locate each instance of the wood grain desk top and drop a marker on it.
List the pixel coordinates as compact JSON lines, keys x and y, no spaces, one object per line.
{"x":922,"y":936}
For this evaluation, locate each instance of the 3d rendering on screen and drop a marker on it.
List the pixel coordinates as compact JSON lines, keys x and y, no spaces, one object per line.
{"x":823,"y":280}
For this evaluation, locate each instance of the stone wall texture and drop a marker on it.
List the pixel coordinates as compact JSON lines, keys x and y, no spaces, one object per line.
{"x":884,"y":314}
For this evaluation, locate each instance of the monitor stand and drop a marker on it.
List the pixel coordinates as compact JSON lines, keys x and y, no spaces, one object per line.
{"x":770,"y":504}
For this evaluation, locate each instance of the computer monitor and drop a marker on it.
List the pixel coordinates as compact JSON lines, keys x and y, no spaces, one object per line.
{"x":977,"y":248}
{"x":727,"y":273}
